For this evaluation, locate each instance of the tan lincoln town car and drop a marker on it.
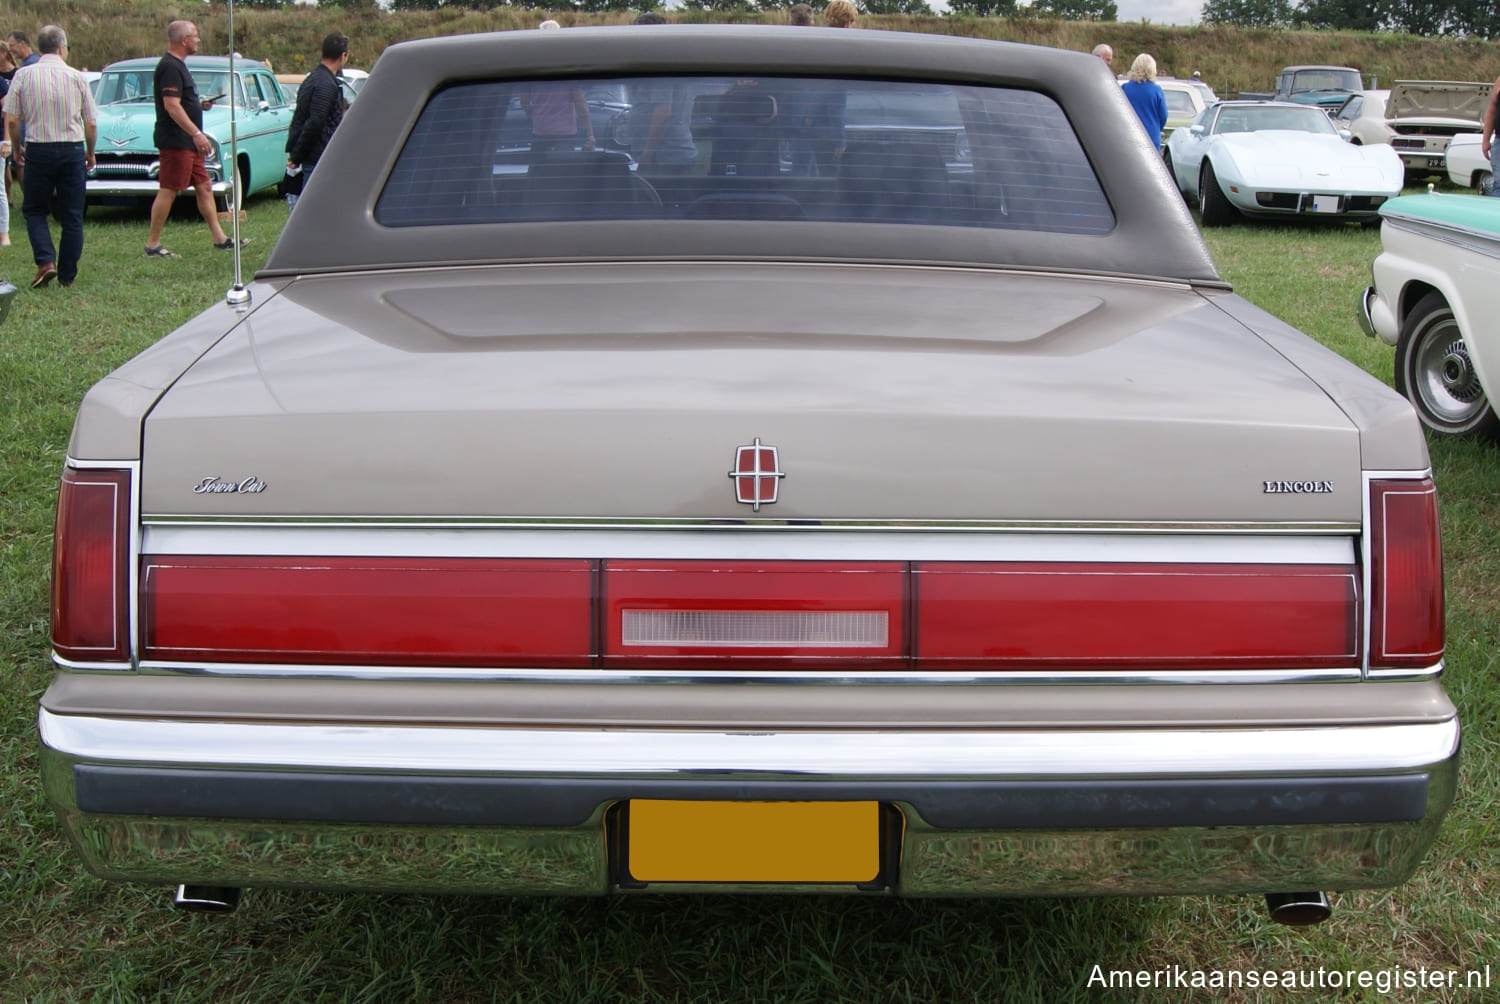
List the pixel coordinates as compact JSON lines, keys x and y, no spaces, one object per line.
{"x":852,"y":477}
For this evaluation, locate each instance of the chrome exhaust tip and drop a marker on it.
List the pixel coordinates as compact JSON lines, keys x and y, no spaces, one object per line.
{"x":1298,"y":909}
{"x":206,"y":898}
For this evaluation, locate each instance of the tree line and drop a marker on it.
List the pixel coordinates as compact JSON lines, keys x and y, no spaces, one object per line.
{"x":1069,"y":10}
{"x":1426,"y":18}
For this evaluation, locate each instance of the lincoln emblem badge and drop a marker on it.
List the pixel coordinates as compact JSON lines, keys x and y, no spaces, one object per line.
{"x":755,"y":474}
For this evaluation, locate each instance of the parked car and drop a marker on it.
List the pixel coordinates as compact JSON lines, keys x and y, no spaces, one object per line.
{"x":1466,"y":166}
{"x":1436,"y":290}
{"x":290,"y":82}
{"x":1274,"y":159}
{"x":1427,"y":114}
{"x":356,"y":77}
{"x":1185,"y":100}
{"x":918,"y":528}
{"x":1324,"y":86}
{"x":125,"y":153}
{"x":1209,"y":96}
{"x":1362,"y":116}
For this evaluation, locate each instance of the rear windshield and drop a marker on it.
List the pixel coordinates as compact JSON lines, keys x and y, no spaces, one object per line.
{"x":737,"y":148}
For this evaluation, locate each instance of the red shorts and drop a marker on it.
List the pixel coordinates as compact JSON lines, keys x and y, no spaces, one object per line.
{"x":181,"y":169}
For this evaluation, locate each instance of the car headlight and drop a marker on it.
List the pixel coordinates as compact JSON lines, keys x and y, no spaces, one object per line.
{"x":212,"y":159}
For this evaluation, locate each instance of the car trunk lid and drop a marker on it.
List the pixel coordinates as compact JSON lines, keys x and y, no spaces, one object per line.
{"x":628,"y":391}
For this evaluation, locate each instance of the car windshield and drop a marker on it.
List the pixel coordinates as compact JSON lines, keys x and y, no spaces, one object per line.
{"x":737,"y":148}
{"x":1326,"y":80}
{"x":215,"y":86}
{"x":132,"y":86}
{"x":1258,"y":118}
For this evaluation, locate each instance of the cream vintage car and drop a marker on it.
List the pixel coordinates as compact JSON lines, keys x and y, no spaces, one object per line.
{"x":1427,"y":115}
{"x":696,"y":519}
{"x":1467,"y":166}
{"x":1436,"y":286}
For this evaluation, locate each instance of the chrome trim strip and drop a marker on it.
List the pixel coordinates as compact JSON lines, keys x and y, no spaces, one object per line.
{"x":810,"y":677}
{"x":1367,"y":576}
{"x":731,"y":542}
{"x":1481,"y":242}
{"x":852,"y":754}
{"x":1400,"y":675}
{"x":761,"y":525}
{"x":1121,"y":278}
{"x":63,"y":663}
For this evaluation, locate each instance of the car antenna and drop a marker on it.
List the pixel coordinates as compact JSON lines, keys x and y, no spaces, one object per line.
{"x":237,"y":296}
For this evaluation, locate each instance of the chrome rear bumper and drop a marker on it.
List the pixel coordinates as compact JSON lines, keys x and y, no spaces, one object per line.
{"x":508,"y":810}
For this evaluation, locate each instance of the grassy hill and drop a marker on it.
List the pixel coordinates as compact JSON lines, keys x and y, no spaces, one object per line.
{"x":101,"y":31}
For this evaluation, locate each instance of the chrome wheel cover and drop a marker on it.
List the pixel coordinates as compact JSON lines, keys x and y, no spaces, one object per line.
{"x":1443,"y":374}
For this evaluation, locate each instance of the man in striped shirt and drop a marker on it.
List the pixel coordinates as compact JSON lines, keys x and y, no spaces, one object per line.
{"x":57,"y":108}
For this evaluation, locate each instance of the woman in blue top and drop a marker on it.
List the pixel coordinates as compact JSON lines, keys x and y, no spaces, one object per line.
{"x":1146,"y":97}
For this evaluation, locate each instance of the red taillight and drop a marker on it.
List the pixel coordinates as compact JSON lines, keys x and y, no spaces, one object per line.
{"x":786,"y":614}
{"x":1406,"y":575}
{"x":698,"y":614}
{"x":385,"y":611}
{"x":90,"y":565}
{"x":1141,"y":617}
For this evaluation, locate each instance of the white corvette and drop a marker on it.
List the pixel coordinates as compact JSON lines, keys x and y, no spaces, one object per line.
{"x":1269,"y":159}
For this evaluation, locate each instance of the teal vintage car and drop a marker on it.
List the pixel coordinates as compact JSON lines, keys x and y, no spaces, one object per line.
{"x":126,"y":169}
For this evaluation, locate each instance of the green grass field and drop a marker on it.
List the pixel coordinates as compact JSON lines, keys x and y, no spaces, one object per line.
{"x":65,"y":936}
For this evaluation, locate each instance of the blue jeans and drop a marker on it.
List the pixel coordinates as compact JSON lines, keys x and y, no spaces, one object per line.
{"x":1494,"y":169}
{"x":55,"y":170}
{"x":291,"y":200}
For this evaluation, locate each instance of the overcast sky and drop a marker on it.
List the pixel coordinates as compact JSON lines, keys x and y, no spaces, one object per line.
{"x":1161,"y":11}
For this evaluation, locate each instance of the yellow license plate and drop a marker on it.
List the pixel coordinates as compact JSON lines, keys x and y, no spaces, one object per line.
{"x":820,"y":842}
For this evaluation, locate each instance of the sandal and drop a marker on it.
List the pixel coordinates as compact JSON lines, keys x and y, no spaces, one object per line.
{"x":161,"y":252}
{"x":227,"y":244}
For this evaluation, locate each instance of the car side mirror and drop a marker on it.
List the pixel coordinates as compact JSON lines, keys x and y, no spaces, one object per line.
{"x":263,"y":105}
{"x":1197,"y":130}
{"x":1345,"y":135}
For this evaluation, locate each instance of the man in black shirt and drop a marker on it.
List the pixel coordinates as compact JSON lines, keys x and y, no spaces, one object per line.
{"x":180,"y":143}
{"x":320,"y":109}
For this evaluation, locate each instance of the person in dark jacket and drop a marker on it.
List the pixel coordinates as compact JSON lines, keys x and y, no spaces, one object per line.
{"x":320,"y":109}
